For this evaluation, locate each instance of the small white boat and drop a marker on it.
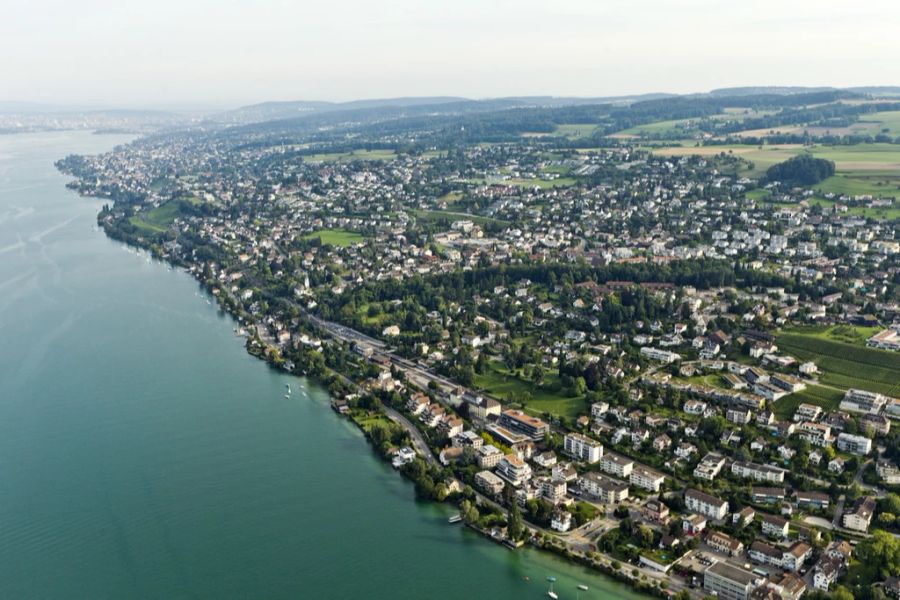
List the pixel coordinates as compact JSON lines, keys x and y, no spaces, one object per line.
{"x":583,"y":587}
{"x":550,"y":592}
{"x":454,"y":519}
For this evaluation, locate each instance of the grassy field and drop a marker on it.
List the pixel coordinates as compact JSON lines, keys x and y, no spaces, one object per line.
{"x":762,"y":157}
{"x":351,"y":156}
{"x":336,"y":237}
{"x":575,"y":130}
{"x":159,"y":219}
{"x":845,"y":365}
{"x":827,"y":398}
{"x":879,"y":121}
{"x":659,"y":127}
{"x":549,"y":397}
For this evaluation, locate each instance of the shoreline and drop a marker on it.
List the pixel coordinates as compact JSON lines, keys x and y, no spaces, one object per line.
{"x":255,"y":346}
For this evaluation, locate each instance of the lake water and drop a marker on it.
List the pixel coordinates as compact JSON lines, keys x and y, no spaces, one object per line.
{"x":144,"y":454}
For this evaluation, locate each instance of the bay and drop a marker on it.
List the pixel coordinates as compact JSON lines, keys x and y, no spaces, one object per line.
{"x":144,"y":454}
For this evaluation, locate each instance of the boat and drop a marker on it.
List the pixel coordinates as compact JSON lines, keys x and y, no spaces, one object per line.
{"x":583,"y":587}
{"x":454,"y":519}
{"x":550,"y":592}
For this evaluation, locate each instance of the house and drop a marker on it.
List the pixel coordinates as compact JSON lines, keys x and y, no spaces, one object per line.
{"x":564,"y":472}
{"x":837,"y":465}
{"x":545,"y":459}
{"x":774,"y":526}
{"x":724,"y":543}
{"x":738,"y":416}
{"x":807,"y":412}
{"x":488,"y":456}
{"x":489,"y":482}
{"x":814,"y":500}
{"x":662,"y":442}
{"x":583,"y":448}
{"x":656,"y":512}
{"x":744,"y":517}
{"x":826,"y":573}
{"x":693,"y":524}
{"x":860,"y":516}
{"x":705,"y":504}
{"x":562,"y":521}
{"x":767,"y":495}
{"x":817,"y":434}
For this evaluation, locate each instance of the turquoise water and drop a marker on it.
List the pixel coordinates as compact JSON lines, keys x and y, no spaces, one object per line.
{"x":143,"y":453}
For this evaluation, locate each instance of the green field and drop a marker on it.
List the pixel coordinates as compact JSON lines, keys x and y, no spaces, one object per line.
{"x":762,"y":157}
{"x":876,"y":122}
{"x":336,"y":237}
{"x":845,"y":365}
{"x":549,"y":397}
{"x":159,"y":219}
{"x":659,"y":127}
{"x":827,"y":398}
{"x":575,"y":130}
{"x":351,"y":156}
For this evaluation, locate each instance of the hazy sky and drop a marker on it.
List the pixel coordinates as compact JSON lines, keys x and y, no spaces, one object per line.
{"x":230,"y":52}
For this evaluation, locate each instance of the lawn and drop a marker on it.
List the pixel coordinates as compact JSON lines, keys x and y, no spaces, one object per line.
{"x":549,"y":397}
{"x":351,"y":156}
{"x":827,"y":398}
{"x":659,"y":127}
{"x":336,"y":237}
{"x":845,"y":365}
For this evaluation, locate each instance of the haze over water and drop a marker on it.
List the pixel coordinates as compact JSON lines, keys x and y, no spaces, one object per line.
{"x":144,"y":454}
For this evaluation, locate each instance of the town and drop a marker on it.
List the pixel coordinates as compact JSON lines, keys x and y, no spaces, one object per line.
{"x":666,"y":363}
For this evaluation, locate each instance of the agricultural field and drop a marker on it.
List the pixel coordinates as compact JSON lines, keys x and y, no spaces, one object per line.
{"x":845,"y":365}
{"x":351,"y":156}
{"x":336,"y":237}
{"x":827,"y":398}
{"x":686,"y":126}
{"x":549,"y":397}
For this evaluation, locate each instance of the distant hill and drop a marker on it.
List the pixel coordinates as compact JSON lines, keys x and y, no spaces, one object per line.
{"x":768,"y":89}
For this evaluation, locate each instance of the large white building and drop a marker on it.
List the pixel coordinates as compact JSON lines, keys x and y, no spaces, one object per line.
{"x":659,"y":355}
{"x":728,"y":581}
{"x":514,"y":469}
{"x":646,"y":478}
{"x":616,"y":464}
{"x":855,"y":444}
{"x":705,"y":504}
{"x":862,"y":401}
{"x":758,"y":472}
{"x":606,"y":489}
{"x":583,"y":448}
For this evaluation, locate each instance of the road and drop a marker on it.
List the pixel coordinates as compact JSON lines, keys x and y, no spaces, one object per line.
{"x":418,"y":441}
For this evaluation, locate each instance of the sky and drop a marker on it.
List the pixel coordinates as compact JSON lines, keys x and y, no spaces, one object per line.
{"x":228,"y":53}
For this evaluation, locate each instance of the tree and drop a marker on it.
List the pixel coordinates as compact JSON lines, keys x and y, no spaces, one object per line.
{"x":841,"y":593}
{"x":880,"y":554}
{"x":515,"y":528}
